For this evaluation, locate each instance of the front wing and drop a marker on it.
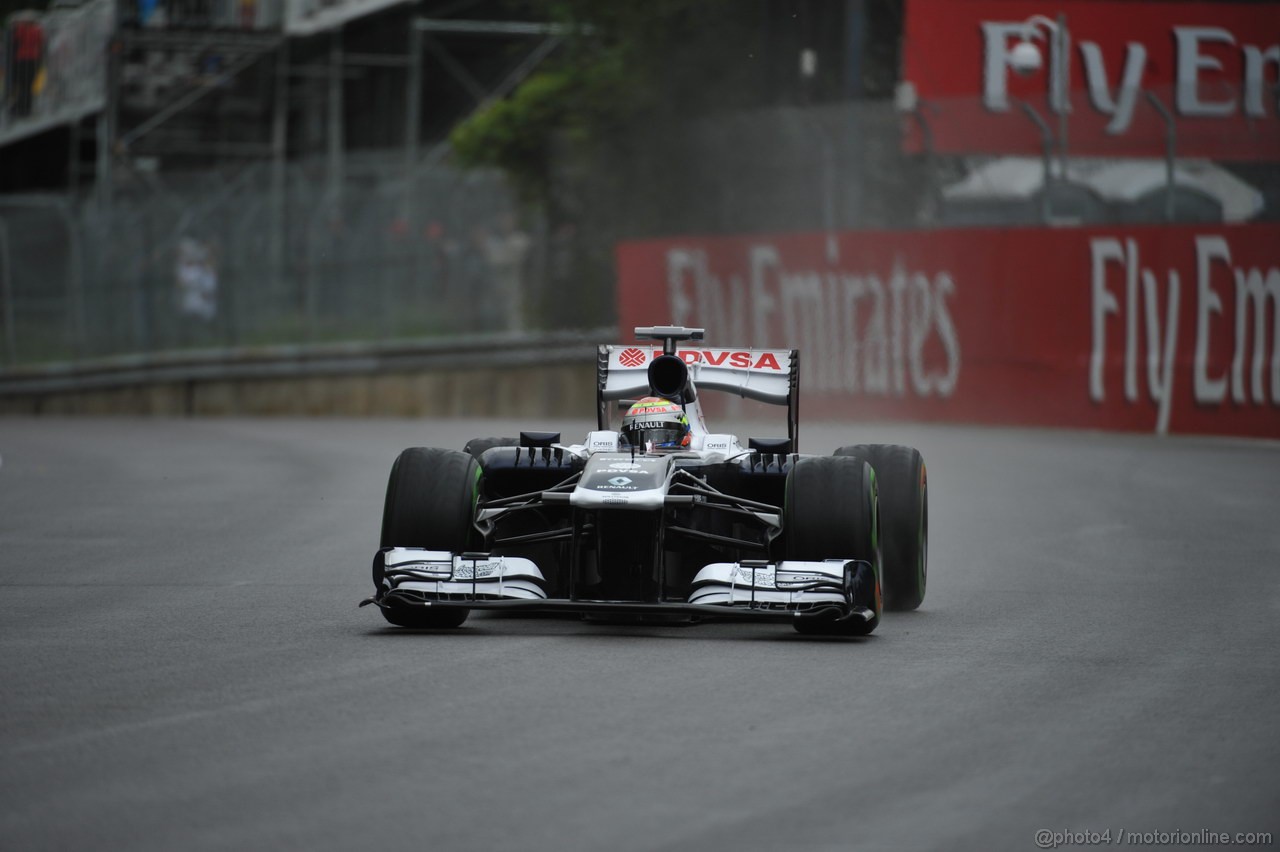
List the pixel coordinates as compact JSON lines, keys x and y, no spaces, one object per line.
{"x":830,"y":590}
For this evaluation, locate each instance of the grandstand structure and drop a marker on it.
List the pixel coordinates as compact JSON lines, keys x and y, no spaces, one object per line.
{"x":105,"y":94}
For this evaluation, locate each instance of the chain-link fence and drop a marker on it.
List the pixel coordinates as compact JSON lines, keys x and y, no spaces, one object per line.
{"x":223,"y":260}
{"x":373,"y":252}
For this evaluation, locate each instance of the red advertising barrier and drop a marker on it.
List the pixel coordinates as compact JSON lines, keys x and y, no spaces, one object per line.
{"x":1135,"y":328}
{"x":1213,"y":66}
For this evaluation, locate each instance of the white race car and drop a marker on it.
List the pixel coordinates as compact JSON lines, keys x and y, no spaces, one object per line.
{"x":661,"y":518}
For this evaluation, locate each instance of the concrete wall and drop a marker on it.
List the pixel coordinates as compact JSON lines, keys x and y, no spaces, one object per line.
{"x":525,"y":390}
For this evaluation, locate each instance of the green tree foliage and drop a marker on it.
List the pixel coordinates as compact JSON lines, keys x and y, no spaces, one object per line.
{"x":623,"y":65}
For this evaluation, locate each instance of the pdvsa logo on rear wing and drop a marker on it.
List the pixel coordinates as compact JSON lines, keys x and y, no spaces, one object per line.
{"x":771,"y":360}
{"x":767,"y":375}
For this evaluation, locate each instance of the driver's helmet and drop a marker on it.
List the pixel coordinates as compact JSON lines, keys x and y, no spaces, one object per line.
{"x":655,"y":423}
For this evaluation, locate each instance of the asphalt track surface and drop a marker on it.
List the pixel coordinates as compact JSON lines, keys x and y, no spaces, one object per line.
{"x":184,"y":668}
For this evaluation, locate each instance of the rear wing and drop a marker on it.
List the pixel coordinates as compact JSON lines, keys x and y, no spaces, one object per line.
{"x":765,"y":375}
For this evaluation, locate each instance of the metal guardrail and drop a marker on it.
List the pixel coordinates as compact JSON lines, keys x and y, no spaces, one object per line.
{"x":274,"y":362}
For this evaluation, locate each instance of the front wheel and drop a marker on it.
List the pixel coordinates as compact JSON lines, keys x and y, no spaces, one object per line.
{"x":831,"y":510}
{"x":904,"y":501}
{"x":431,"y":498}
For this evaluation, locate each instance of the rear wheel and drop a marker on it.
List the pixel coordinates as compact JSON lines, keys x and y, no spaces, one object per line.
{"x":904,"y":501}
{"x":430,"y":503}
{"x":831,"y":511}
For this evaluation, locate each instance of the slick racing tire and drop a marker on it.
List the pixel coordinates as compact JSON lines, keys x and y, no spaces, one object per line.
{"x":477,"y":446}
{"x":904,"y":504}
{"x":830,"y":510}
{"x":430,"y":503}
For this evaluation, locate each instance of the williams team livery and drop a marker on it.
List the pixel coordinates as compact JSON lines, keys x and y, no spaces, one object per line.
{"x":658,"y":516}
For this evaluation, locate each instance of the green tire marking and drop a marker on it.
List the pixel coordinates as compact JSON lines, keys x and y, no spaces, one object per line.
{"x":875,"y":512}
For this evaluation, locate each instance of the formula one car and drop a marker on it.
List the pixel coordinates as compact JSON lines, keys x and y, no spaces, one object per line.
{"x":662,"y":518}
